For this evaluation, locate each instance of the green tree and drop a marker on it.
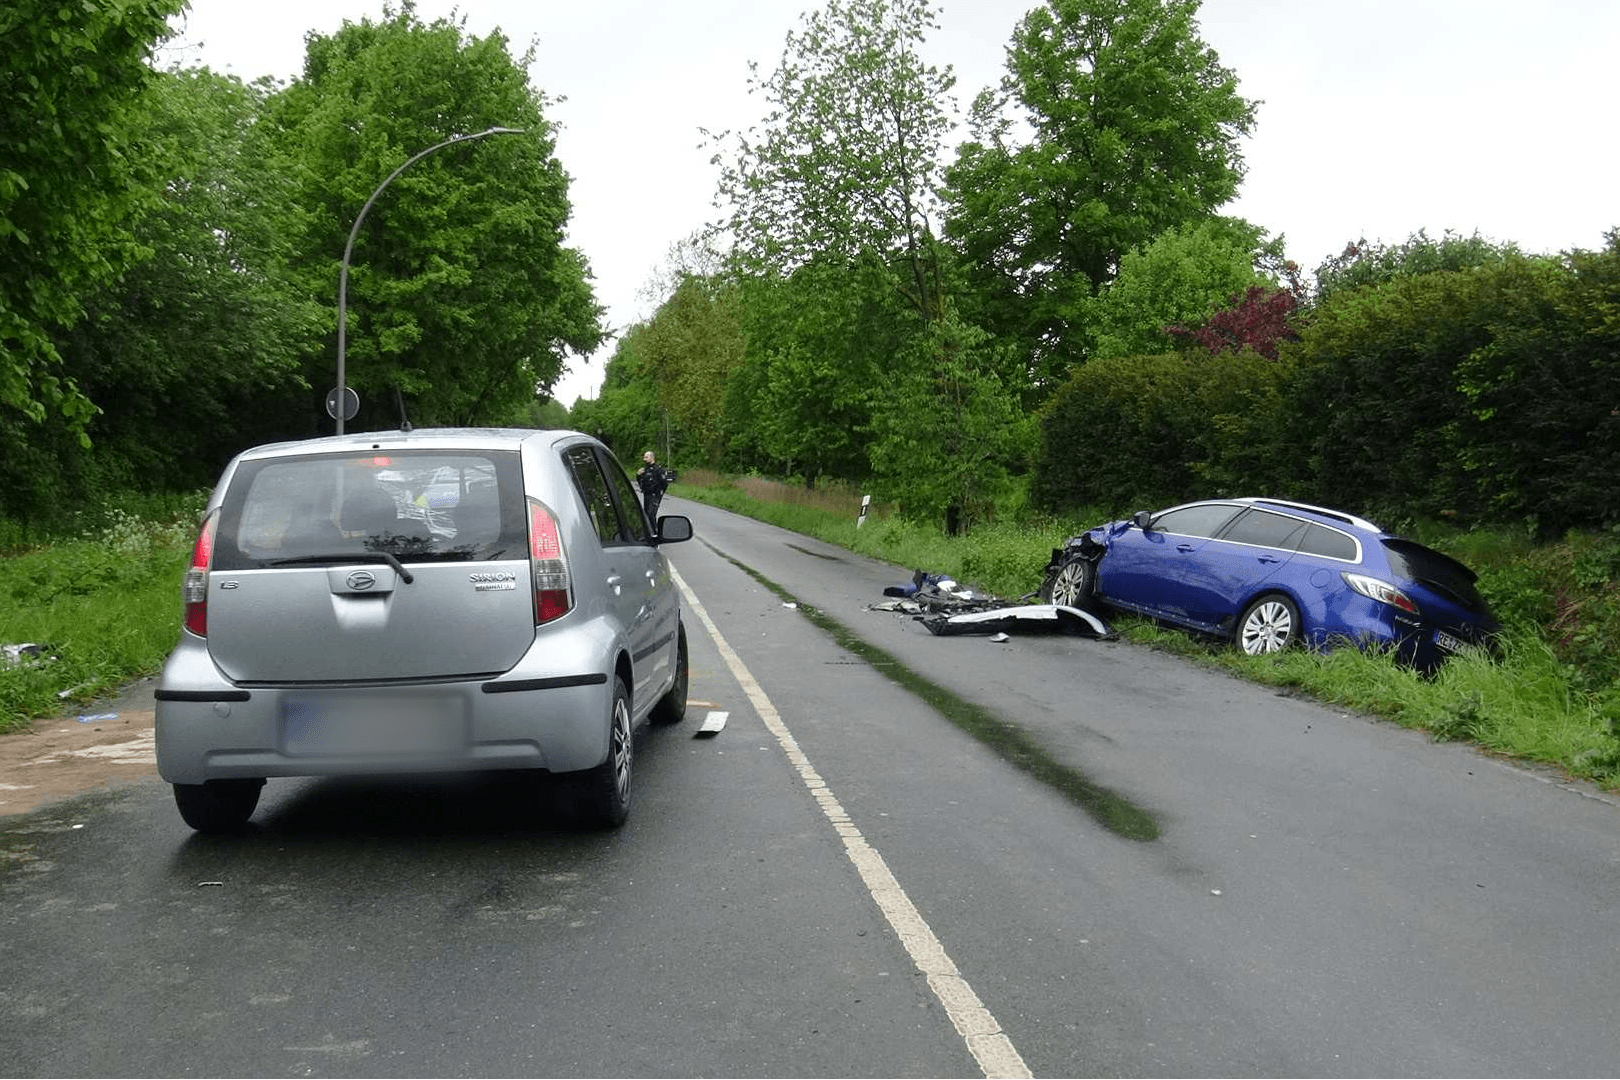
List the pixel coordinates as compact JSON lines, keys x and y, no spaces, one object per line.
{"x":547,"y":414}
{"x":71,"y":75}
{"x":626,"y":414}
{"x":1133,"y":127}
{"x":1365,"y":263}
{"x":189,"y":352}
{"x":693,"y":343}
{"x":815,"y":341}
{"x":846,"y":161}
{"x":463,"y":297}
{"x":948,"y":432}
{"x":1180,"y":277}
{"x":831,"y":208}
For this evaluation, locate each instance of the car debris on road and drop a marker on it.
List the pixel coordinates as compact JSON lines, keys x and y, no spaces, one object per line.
{"x":945,"y":608}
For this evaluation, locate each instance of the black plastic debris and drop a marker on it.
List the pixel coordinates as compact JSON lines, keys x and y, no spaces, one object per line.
{"x":929,"y":586}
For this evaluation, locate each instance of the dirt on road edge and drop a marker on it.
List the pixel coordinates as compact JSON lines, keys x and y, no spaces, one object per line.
{"x":104,"y":742}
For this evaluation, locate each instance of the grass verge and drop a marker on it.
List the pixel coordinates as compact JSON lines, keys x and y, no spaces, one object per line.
{"x":107,"y":604}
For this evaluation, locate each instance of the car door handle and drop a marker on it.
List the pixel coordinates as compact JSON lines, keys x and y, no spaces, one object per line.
{"x":1184,"y":548}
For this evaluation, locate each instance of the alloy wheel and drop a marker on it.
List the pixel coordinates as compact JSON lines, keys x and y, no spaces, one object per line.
{"x":1268,"y":627}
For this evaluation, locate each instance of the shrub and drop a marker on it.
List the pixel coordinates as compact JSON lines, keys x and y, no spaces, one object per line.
{"x":1146,"y":431}
{"x":1542,"y":441}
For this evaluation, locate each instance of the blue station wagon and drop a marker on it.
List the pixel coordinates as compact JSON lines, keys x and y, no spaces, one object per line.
{"x":1267,"y":573}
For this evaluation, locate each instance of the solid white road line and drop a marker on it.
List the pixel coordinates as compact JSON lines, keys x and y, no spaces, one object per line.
{"x":985,"y":1040}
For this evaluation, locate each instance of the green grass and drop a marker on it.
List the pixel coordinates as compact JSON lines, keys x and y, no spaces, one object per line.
{"x":107,"y":602}
{"x":1552,"y":699}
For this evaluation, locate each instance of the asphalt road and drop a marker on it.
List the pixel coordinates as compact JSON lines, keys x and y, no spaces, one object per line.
{"x":1321,"y":894}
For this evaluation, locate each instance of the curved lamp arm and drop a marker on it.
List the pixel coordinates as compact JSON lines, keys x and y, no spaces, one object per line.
{"x":348,"y":248}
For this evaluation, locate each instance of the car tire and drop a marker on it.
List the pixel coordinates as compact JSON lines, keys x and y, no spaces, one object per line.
{"x":607,"y":788}
{"x":1071,"y":583}
{"x":1268,"y":625}
{"x":218,"y":806}
{"x":671,"y":708}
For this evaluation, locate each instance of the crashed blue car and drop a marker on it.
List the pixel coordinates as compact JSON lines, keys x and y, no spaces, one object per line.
{"x":1267,"y":574}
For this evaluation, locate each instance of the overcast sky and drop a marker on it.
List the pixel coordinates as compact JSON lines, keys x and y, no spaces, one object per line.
{"x":1378,"y":117}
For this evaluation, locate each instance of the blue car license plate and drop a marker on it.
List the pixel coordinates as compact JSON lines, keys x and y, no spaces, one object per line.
{"x":381,"y":726}
{"x":1449,"y":643}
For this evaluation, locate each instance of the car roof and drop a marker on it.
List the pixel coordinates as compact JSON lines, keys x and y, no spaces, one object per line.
{"x":417,"y":438}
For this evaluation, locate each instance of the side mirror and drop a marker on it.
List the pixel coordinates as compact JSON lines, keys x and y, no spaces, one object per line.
{"x":1142,"y":520}
{"x":672,"y":529}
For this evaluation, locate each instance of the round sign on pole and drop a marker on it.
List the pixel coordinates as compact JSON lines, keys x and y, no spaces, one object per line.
{"x":350,"y":399}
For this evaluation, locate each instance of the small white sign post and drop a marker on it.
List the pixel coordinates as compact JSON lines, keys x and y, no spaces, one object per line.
{"x":866,"y":502}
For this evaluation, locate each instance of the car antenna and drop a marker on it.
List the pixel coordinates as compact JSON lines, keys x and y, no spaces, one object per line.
{"x":399,"y":399}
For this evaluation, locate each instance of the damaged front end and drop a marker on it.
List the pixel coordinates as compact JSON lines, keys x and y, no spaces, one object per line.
{"x":1086,"y":546}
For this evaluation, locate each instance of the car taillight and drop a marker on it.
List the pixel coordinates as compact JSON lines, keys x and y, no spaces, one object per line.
{"x":553,"y":589}
{"x":195,"y":589}
{"x":1382,"y":591}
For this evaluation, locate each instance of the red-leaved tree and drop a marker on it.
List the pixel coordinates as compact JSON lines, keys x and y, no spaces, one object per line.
{"x":1260,"y":318}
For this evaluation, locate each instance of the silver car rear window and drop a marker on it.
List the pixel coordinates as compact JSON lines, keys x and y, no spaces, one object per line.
{"x":419,"y":506}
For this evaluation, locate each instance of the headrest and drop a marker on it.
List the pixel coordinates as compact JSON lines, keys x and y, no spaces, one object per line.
{"x":368,"y":509}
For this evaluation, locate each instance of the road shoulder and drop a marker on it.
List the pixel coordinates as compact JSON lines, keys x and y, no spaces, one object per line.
{"x":90,"y":746}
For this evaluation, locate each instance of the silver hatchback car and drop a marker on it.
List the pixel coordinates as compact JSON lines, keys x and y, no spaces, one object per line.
{"x":432,"y":600}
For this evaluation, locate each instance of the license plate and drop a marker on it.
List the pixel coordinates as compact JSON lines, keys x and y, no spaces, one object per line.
{"x":381,"y":726}
{"x":1449,"y":643}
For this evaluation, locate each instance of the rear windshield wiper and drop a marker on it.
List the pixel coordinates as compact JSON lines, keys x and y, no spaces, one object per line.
{"x":349,"y":556}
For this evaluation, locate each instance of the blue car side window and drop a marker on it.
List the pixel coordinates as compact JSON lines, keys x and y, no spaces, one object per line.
{"x":1262,"y":528}
{"x":1200,"y":520}
{"x":1329,"y":543}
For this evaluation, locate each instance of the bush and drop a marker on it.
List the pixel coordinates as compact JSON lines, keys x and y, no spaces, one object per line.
{"x":1148,"y":431}
{"x":1542,"y":442}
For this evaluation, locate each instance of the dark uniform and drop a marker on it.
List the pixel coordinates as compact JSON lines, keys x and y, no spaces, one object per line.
{"x":652,"y":479}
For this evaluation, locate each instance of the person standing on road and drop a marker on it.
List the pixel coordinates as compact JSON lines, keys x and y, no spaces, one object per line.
{"x":652,"y":479}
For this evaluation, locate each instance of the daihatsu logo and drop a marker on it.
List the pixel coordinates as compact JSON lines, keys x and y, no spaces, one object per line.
{"x":361,"y":580}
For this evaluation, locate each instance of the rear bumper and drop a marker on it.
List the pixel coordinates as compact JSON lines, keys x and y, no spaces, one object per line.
{"x":549,"y":712}
{"x":1415,"y":642}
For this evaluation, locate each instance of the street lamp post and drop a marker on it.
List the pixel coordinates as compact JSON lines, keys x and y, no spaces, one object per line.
{"x":348,"y":249}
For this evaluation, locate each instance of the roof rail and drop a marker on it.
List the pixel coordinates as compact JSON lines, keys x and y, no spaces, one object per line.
{"x":1337,"y":515}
